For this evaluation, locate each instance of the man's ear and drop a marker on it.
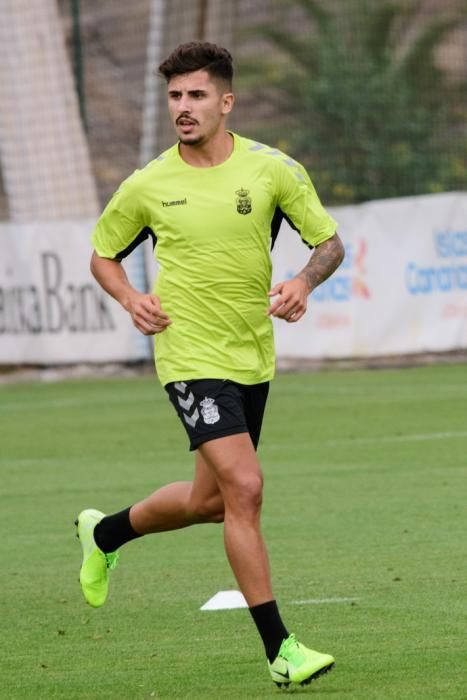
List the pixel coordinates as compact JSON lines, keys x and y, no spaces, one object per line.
{"x":228,"y":100}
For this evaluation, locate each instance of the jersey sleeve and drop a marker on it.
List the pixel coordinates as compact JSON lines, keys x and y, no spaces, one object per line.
{"x":121,"y":226}
{"x":300,"y":204}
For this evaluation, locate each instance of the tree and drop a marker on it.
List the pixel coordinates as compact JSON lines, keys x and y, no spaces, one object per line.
{"x":366,"y":105}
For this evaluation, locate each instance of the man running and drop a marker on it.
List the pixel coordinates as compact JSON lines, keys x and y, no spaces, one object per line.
{"x":213,"y":204}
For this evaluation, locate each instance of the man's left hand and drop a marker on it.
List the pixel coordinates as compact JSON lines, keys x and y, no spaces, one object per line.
{"x":291,"y":300}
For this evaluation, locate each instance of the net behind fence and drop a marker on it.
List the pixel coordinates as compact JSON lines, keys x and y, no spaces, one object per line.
{"x":370,"y":96}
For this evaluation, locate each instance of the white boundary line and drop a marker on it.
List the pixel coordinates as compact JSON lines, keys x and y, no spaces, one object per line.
{"x":228,"y":600}
{"x":73,"y":402}
{"x":415,"y":437}
{"x":323,"y":601}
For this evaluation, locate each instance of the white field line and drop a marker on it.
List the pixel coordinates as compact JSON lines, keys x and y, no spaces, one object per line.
{"x":396,"y":391}
{"x":75,"y":402}
{"x":410,"y":437}
{"x":224,"y":600}
{"x":323,"y":601}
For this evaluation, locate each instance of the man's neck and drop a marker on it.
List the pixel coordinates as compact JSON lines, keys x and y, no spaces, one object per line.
{"x":214,"y":152}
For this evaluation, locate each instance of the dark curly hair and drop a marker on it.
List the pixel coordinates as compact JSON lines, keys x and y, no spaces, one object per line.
{"x":199,"y":55}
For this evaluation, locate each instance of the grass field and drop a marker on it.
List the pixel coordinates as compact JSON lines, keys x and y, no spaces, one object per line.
{"x":365,"y":515}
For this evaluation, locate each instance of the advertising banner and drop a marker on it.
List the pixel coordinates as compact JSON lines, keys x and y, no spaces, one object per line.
{"x":402,"y":287}
{"x":51,"y":309}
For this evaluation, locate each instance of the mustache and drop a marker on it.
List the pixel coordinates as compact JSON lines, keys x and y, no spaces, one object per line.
{"x":186,"y":117}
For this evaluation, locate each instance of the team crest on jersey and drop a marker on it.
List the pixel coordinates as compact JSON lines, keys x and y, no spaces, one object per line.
{"x":209,"y":410}
{"x":243,"y":201}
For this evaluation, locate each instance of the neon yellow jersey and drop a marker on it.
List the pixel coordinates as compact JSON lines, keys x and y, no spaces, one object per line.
{"x":213,"y":229}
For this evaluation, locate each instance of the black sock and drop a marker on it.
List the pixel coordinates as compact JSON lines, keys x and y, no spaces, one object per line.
{"x":270,"y":626}
{"x":114,"y":530}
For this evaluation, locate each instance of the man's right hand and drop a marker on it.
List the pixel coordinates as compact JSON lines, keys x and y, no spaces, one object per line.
{"x":145,"y":309}
{"x":146,"y":313}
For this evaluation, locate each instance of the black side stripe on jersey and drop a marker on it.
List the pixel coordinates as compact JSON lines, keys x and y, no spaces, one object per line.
{"x":276,"y":224}
{"x":146,"y":232}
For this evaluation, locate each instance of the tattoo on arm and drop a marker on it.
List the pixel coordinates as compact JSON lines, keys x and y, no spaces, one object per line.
{"x":325,"y":259}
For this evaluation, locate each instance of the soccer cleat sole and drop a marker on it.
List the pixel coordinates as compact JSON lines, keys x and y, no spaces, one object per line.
{"x":318,"y":674}
{"x":313,"y":677}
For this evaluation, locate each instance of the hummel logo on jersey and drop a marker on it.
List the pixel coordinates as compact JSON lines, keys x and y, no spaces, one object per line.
{"x":174,"y":203}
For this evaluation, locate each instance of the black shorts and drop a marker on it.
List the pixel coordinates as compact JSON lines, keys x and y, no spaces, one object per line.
{"x":214,"y":408}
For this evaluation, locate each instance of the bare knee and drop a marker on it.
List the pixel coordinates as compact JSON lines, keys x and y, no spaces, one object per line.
{"x":245,"y":494}
{"x":238,"y":474}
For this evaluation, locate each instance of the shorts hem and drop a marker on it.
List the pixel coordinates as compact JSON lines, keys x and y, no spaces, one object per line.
{"x":197,"y":442}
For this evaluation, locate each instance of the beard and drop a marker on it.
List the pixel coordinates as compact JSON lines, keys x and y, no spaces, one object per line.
{"x":191,"y":140}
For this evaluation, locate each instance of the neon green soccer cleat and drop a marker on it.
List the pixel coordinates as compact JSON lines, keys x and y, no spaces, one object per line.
{"x":94,"y":574}
{"x":296,"y":663}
